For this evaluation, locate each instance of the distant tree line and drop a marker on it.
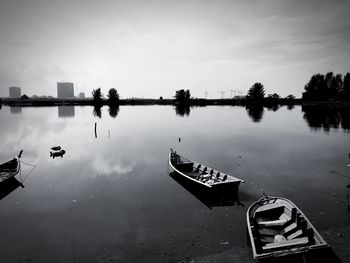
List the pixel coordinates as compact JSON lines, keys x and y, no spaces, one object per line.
{"x":256,"y":93}
{"x":329,"y":87}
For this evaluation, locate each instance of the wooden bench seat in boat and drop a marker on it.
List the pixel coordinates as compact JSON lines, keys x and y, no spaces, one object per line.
{"x":282,"y":220}
{"x":278,"y":222}
{"x":287,"y":243}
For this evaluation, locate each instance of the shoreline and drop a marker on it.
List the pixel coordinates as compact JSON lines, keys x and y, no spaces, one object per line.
{"x":37,"y":102}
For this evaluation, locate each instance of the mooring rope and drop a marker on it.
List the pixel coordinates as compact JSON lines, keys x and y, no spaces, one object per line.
{"x":31,"y":170}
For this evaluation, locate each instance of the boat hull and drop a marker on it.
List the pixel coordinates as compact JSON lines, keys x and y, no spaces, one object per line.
{"x":277,"y":227}
{"x":9,"y":169}
{"x":204,"y":176}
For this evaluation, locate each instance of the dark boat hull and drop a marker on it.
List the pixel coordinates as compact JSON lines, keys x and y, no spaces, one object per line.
{"x":208,"y":196}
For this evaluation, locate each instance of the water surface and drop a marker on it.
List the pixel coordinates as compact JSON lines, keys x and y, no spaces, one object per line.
{"x":110,"y":197}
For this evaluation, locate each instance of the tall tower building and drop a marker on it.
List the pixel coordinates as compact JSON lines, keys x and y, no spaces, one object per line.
{"x":65,"y":90}
{"x":15,"y":92}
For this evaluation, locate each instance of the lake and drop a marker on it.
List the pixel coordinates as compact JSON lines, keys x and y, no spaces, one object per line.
{"x":110,"y":197}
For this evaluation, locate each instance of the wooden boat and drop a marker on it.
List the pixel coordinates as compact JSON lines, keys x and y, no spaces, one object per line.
{"x":201,"y":174}
{"x":56,"y":148}
{"x":10,"y":168}
{"x":277,"y":227}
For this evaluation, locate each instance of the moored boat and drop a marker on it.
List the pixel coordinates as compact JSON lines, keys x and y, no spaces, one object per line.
{"x":277,"y":227}
{"x":10,"y":168}
{"x":202,"y":174}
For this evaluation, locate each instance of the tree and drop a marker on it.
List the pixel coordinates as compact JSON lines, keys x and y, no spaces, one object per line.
{"x":183,"y":96}
{"x":346,"y":86}
{"x":290,"y":97}
{"x":257,"y":91}
{"x":334,"y":85}
{"x":113,"y":96}
{"x":316,"y":88}
{"x":274,"y":96}
{"x":320,"y":87}
{"x":97,"y":95}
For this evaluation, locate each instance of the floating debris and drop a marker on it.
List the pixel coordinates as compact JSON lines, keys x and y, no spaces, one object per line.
{"x":56,"y":148}
{"x":57,"y":154}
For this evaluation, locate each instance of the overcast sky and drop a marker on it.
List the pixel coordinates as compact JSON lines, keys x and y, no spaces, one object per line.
{"x":152,"y":48}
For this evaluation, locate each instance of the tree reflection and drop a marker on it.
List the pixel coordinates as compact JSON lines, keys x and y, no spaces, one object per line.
{"x":290,"y":106}
{"x":113,"y":110}
{"x":97,"y":111}
{"x":182,"y":109}
{"x":273,"y":107}
{"x":255,"y":111}
{"x":326,"y":117}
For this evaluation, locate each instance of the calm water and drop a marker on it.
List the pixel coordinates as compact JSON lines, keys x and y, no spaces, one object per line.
{"x":110,"y":198}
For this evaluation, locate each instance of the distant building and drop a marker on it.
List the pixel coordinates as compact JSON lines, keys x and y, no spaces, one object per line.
{"x":81,"y":95}
{"x":15,"y":92}
{"x":65,"y":90}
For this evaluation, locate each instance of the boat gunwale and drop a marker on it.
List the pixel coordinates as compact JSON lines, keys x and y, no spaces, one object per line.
{"x":183,"y":174}
{"x":233,"y":179}
{"x":287,"y":251}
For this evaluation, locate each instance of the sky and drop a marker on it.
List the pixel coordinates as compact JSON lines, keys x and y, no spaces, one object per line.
{"x":151,"y":48}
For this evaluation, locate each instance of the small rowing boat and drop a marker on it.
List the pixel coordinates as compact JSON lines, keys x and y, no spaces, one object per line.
{"x":10,"y":168}
{"x":277,"y":227}
{"x":202,"y":174}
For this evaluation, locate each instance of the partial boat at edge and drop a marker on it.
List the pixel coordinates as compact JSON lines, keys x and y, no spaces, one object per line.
{"x":277,"y":227}
{"x":10,"y":168}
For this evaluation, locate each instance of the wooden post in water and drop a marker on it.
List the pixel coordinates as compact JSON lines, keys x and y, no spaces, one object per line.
{"x":95,"y":129}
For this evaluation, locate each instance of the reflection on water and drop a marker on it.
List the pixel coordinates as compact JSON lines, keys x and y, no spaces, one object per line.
{"x":209,"y":197}
{"x":112,"y":198}
{"x":182,"y":109}
{"x":113,"y":111}
{"x":255,"y":111}
{"x":273,"y":107}
{"x":55,"y":154}
{"x":15,"y":109}
{"x":97,"y":112}
{"x":325,"y":117}
{"x":9,"y":186}
{"x":290,"y":106}
{"x":66,"y":111}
